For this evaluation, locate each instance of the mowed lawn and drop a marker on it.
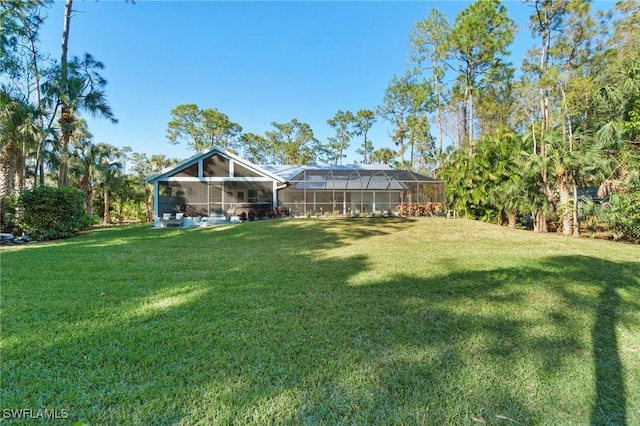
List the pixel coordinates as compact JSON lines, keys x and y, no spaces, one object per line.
{"x":360,"y":321}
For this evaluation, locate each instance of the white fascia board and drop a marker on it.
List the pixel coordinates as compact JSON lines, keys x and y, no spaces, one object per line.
{"x":217,"y":179}
{"x":253,"y":167}
{"x":182,"y":164}
{"x":199,"y":157}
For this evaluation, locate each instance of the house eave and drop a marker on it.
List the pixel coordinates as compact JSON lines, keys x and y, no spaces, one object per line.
{"x":166,"y":173}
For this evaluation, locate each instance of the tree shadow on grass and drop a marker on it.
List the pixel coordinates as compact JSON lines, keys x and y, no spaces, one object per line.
{"x":512,"y":353}
{"x":440,"y":350}
{"x":610,"y":402}
{"x":293,"y":343}
{"x":609,"y":405}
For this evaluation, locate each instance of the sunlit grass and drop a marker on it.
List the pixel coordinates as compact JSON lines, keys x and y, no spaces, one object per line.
{"x":363,"y":321}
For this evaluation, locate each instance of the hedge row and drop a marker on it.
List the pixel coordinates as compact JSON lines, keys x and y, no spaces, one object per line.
{"x":416,"y":209}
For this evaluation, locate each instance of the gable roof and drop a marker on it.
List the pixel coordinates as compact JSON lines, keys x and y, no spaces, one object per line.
{"x":209,"y":152}
{"x":359,"y":176}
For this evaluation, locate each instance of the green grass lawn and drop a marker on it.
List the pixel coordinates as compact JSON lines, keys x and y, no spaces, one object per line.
{"x":361,"y":321}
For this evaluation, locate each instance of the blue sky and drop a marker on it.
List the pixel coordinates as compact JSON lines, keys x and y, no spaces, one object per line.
{"x":257,"y":62}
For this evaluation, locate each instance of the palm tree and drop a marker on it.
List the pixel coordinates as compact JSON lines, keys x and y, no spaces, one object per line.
{"x":49,"y":161}
{"x":621,"y":95}
{"x":383,"y":156}
{"x":18,"y":133}
{"x":456,"y":171}
{"x":510,"y":198}
{"x":77,"y":87}
{"x":109,"y":172}
{"x":87,"y":160}
{"x":484,"y":184}
{"x":566,"y":168}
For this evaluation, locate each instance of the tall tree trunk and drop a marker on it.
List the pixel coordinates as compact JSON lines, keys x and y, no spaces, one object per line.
{"x":150,"y":206}
{"x":6,"y":171}
{"x":66,"y":114}
{"x":10,"y":171}
{"x":20,"y":174}
{"x":106,"y":218}
{"x":540,"y":222}
{"x":400,"y":141}
{"x":574,"y":188}
{"x":89,"y":202}
{"x":471,"y":117}
{"x":576,"y":222}
{"x":65,"y":37}
{"x":533,"y":135}
{"x":544,"y":127}
{"x":464,"y":117}
{"x":411,"y":153}
{"x":64,"y":148}
{"x":39,"y":168}
{"x":544,"y":176}
{"x":366,"y":149}
{"x":436,"y":85}
{"x":465,"y":124}
{"x":565,"y":205}
{"x":39,"y":154}
{"x":88,"y":193}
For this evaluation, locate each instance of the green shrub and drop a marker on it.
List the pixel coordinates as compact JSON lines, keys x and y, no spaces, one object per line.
{"x":46,"y":213}
{"x":87,"y":221}
{"x":8,"y":221}
{"x":417,"y":209}
{"x":624,"y":214}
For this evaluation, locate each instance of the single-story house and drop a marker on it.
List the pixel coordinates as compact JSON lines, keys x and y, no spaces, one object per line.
{"x":216,"y":185}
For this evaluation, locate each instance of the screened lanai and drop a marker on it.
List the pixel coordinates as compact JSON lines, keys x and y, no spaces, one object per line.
{"x":353,"y":188}
{"x":218,"y":184}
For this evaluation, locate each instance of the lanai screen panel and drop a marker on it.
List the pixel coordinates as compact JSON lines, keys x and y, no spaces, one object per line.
{"x":365,"y":190}
{"x":191,"y":171}
{"x":190,"y":198}
{"x":215,"y":166}
{"x":242,"y":197}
